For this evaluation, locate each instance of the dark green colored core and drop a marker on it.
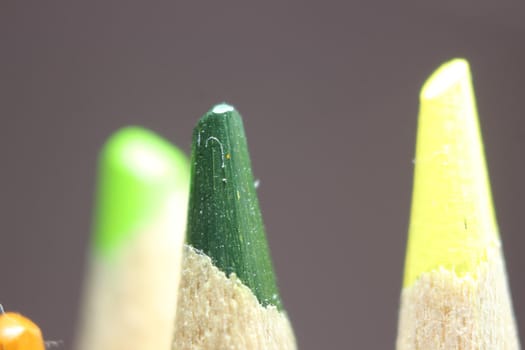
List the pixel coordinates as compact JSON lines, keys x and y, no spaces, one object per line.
{"x":224,"y":219}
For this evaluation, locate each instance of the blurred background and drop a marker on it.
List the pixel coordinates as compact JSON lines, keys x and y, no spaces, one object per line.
{"x":329,"y":94}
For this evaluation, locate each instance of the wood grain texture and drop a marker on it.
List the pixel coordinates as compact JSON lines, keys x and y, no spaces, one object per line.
{"x":220,"y":312}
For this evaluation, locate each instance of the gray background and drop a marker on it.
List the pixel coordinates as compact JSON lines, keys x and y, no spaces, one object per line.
{"x":329,"y":94}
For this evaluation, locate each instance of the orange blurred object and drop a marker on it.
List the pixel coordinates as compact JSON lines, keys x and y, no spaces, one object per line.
{"x":19,"y":333}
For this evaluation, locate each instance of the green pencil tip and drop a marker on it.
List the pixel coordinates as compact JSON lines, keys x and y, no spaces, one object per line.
{"x":138,"y":173}
{"x":224,"y":219}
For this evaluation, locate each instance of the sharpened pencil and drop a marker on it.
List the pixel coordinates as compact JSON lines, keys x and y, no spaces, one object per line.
{"x":455,"y":293}
{"x":228,"y":297}
{"x":141,"y":206}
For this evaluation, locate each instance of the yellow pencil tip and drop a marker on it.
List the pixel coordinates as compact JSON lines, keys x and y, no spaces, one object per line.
{"x":445,"y":77}
{"x":452,"y":224}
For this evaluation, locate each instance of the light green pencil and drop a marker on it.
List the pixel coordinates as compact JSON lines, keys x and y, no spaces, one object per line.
{"x":140,"y":218}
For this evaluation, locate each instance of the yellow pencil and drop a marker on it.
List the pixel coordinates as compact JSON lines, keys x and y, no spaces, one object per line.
{"x":455,"y":293}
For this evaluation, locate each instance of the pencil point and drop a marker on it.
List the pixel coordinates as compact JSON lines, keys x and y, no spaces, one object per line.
{"x":224,"y":219}
{"x":452,"y":223}
{"x":138,"y":171}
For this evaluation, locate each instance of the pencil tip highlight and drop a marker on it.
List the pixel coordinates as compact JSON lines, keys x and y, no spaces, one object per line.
{"x":222,"y":108}
{"x":444,"y":77}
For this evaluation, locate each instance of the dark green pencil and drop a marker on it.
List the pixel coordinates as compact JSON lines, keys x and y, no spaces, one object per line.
{"x":228,"y":297}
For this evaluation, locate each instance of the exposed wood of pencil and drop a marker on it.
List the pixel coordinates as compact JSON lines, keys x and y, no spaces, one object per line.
{"x":455,"y":293}
{"x":217,"y":312}
{"x":445,"y":311}
{"x":132,"y":301}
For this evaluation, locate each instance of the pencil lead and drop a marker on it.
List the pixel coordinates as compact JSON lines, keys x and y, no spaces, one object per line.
{"x":224,"y":219}
{"x":452,"y":221}
{"x":138,"y":173}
